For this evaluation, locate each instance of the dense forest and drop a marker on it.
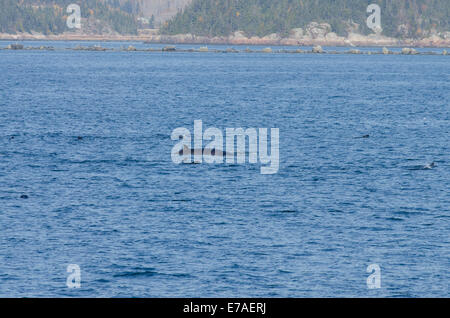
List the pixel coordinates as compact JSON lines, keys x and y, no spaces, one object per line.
{"x":49,"y":16}
{"x":400,"y":18}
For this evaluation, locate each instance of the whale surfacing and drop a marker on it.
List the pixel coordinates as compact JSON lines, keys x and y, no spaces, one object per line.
{"x":188,"y":151}
{"x":204,"y":151}
{"x":430,"y":165}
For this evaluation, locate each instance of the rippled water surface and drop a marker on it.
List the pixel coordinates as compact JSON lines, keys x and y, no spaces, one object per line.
{"x":139,"y":225}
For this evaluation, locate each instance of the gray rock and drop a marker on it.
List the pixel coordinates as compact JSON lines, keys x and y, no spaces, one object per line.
{"x":318,"y":30}
{"x":318,"y":49}
{"x":231,"y":50}
{"x":96,"y":48}
{"x":169,"y":48}
{"x":15,"y":46}
{"x":296,"y":33}
{"x":409,"y":51}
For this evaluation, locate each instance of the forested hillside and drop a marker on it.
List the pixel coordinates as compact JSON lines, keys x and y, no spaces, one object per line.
{"x":49,"y":16}
{"x":161,"y":10}
{"x":400,"y":18}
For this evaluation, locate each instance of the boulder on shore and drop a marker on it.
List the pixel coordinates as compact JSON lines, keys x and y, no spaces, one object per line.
{"x":316,"y":30}
{"x":318,"y":49}
{"x":96,"y":48}
{"x":408,"y":51}
{"x":15,"y":47}
{"x":170,"y":48}
{"x":231,"y":50}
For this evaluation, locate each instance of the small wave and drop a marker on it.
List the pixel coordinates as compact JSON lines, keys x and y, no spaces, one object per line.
{"x":102,"y":280}
{"x":128,"y":186}
{"x":394,"y":219}
{"x":138,"y":273}
{"x":87,"y":161}
{"x":162,"y":136}
{"x":289,"y":211}
{"x":406,"y":213}
{"x":179,"y":275}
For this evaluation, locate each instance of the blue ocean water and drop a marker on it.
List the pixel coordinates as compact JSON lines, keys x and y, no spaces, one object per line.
{"x":139,"y":225}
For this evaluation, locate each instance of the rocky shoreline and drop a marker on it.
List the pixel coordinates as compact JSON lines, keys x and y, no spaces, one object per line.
{"x":298,"y":38}
{"x":312,"y":35}
{"x":352,"y":40}
{"x":204,"y":49}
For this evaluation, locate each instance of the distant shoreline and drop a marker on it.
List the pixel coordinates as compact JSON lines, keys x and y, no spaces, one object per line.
{"x":204,"y":49}
{"x":351,"y":41}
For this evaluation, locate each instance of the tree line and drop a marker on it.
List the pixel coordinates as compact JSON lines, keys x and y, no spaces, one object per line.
{"x":400,"y":18}
{"x":49,"y":16}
